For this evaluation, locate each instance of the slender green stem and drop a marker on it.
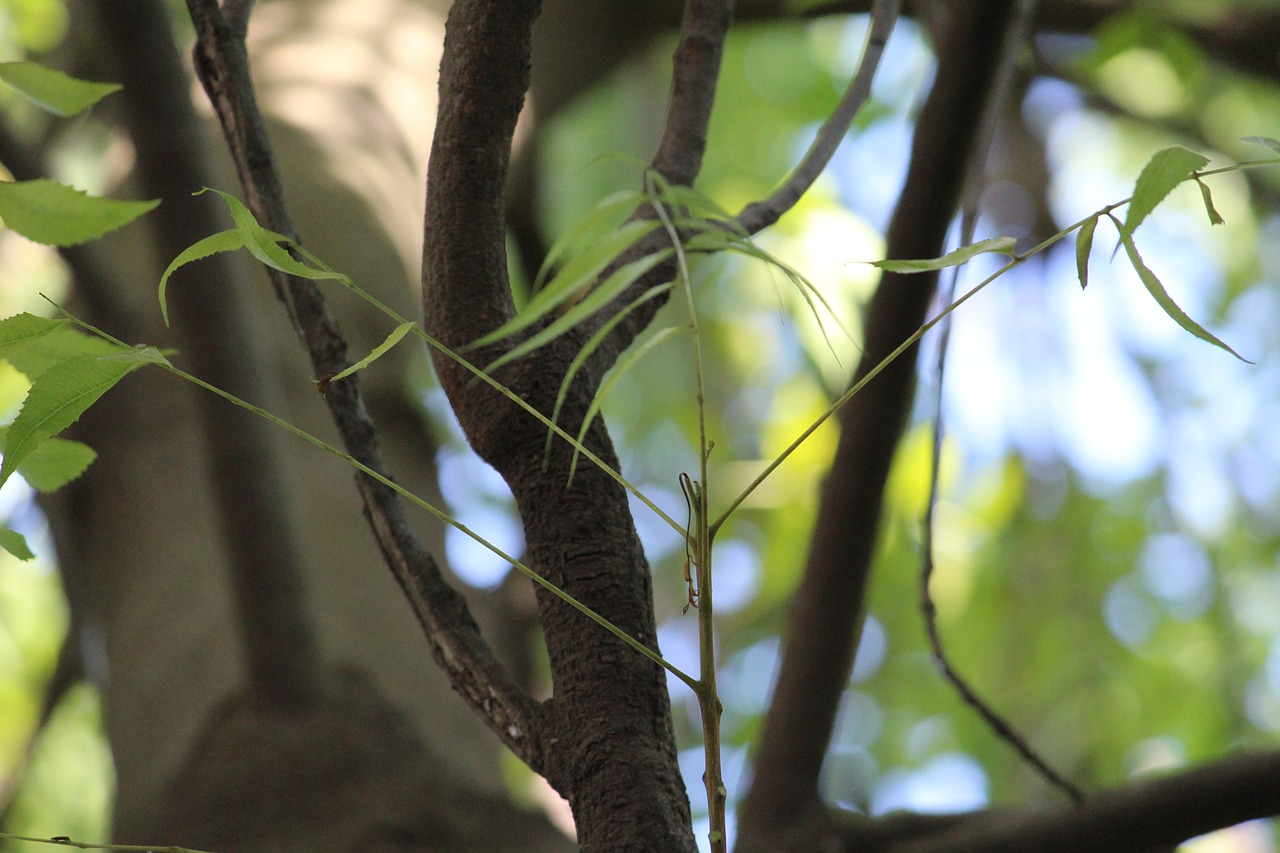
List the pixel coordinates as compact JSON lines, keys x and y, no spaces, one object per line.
{"x":62,"y":841}
{"x":708,"y":698}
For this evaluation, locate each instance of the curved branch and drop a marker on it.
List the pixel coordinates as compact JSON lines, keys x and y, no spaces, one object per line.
{"x":761,"y":214}
{"x":826,"y":612}
{"x":1146,"y":815}
{"x":451,"y":630}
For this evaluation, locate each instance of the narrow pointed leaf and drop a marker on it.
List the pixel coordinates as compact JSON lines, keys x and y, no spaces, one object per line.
{"x":575,"y":277}
{"x":52,"y":90}
{"x":1165,"y":301}
{"x":1265,"y":141}
{"x":223,"y":241}
{"x":54,"y":214}
{"x":1215,"y":218}
{"x":1164,"y":171}
{"x":1084,"y":246}
{"x":618,"y":281}
{"x":606,"y":216}
{"x":16,"y":544}
{"x":21,"y":329}
{"x":619,"y":370}
{"x":265,"y":245}
{"x":992,"y":245}
{"x":377,"y":352}
{"x":57,"y":399}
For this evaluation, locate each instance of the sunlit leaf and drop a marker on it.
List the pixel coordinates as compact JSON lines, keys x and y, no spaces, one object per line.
{"x":1163,"y":172}
{"x":223,"y":241}
{"x":1266,"y":141}
{"x":1157,"y":291}
{"x":21,"y":329}
{"x":992,"y":245}
{"x":57,"y":399}
{"x":16,"y":544}
{"x":52,"y":90}
{"x":54,"y":214}
{"x":377,"y":352}
{"x":33,"y":344}
{"x":606,"y":216}
{"x":1084,"y":245}
{"x":1214,"y":217}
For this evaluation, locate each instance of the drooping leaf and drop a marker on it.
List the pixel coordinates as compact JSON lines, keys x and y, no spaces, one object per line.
{"x":616,"y":373}
{"x":1164,"y":171}
{"x":223,"y":241}
{"x":1165,"y":301}
{"x":573,"y":279}
{"x":265,"y":245}
{"x":377,"y":352}
{"x":992,"y":245}
{"x":608,"y":290}
{"x":16,"y":544}
{"x":606,"y":216}
{"x":1215,"y":218}
{"x":1084,"y":245}
{"x":52,"y":90}
{"x":54,"y":214}
{"x":57,"y":399}
{"x":1265,"y":141}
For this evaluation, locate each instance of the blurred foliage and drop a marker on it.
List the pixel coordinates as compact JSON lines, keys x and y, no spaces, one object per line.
{"x":1110,"y":512}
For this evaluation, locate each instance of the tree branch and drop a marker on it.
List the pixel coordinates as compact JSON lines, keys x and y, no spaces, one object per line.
{"x":695,"y":69}
{"x":761,"y":214}
{"x":451,"y":630}
{"x":1143,"y":816}
{"x":826,"y":612}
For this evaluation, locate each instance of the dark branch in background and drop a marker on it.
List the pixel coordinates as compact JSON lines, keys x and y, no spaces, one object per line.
{"x":826,"y":612}
{"x":695,"y":69}
{"x":761,"y":214}
{"x":211,"y":317}
{"x":1015,"y":41}
{"x":222,"y":65}
{"x":1146,"y":815}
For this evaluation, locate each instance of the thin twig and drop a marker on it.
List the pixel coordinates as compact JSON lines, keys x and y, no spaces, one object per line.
{"x":222,"y":65}
{"x":761,"y":214}
{"x":1018,"y":33}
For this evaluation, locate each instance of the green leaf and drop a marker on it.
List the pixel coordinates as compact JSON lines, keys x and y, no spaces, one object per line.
{"x":996,"y":245}
{"x":1214,"y":217}
{"x":613,"y":286}
{"x":265,"y":245}
{"x":607,"y":216}
{"x":1266,"y":141}
{"x":57,"y":399}
{"x":1163,"y":172}
{"x":378,"y":351}
{"x":15,"y":543}
{"x":57,"y":215}
{"x":52,"y":90}
{"x":575,"y":277}
{"x":223,"y":241}
{"x":54,"y":463}
{"x":1162,"y":298}
{"x":33,"y":344}
{"x":1084,"y":245}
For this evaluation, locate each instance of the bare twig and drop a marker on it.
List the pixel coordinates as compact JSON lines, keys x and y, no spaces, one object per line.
{"x":451,"y":630}
{"x":761,"y":214}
